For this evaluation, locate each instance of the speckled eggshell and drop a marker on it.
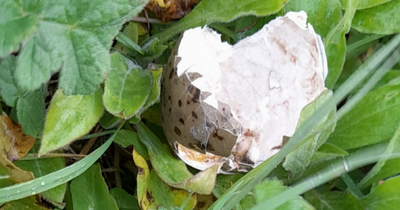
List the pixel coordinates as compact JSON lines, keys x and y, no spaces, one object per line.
{"x":235,"y":105}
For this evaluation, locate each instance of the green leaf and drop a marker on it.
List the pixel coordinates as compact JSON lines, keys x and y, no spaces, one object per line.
{"x":25,"y":203}
{"x":127,"y":87}
{"x":16,"y":24}
{"x":271,"y":187}
{"x":108,"y":121}
{"x":211,"y":11}
{"x":385,"y":167}
{"x":382,"y":19}
{"x":54,"y":179}
{"x":30,"y":106}
{"x":131,"y":30}
{"x":317,"y":11}
{"x":126,"y":138}
{"x":31,"y":112}
{"x":70,"y":117}
{"x":72,"y":36}
{"x":153,"y":49}
{"x":363,"y":4}
{"x":385,"y":196}
{"x":224,"y":182}
{"x":155,"y":90}
{"x":42,"y":167}
{"x":374,"y":119}
{"x":89,"y":191}
{"x":332,"y":200}
{"x":174,"y":171}
{"x":300,"y":158}
{"x":335,"y":45}
{"x":153,"y":193}
{"x":8,"y":86}
{"x":124,"y":200}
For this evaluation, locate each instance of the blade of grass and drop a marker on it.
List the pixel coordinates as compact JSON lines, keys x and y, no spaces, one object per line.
{"x":49,"y":181}
{"x":103,"y":133}
{"x":362,"y":42}
{"x":353,"y":161}
{"x":387,"y":66}
{"x":353,"y":188}
{"x":251,"y":179}
{"x":129,"y":43}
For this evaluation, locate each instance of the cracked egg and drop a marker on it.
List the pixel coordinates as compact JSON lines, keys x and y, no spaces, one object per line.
{"x":237,"y":105}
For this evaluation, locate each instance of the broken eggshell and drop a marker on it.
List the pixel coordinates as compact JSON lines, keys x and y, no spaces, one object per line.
{"x":235,"y":105}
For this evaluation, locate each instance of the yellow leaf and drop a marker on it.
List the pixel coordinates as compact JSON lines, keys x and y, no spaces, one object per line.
{"x":143,"y":178}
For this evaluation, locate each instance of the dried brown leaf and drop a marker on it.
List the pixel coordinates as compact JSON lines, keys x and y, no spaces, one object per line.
{"x":171,"y":9}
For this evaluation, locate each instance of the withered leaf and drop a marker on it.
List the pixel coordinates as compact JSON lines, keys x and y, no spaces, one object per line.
{"x":14,"y":143}
{"x":171,"y":9}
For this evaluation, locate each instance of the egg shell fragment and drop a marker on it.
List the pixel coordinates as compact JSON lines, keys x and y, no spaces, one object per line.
{"x":235,"y":105}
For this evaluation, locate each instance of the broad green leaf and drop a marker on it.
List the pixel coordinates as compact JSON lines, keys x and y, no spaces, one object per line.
{"x":271,"y":187}
{"x":74,"y":36}
{"x":391,"y":76}
{"x":382,"y":19}
{"x":127,"y":87}
{"x":363,"y":4}
{"x":160,"y":192}
{"x":54,"y":179}
{"x":325,"y":153}
{"x":152,"y":50}
{"x":31,"y":112}
{"x":385,"y":167}
{"x":44,"y":166}
{"x":335,"y":45}
{"x":126,"y":138}
{"x":152,"y":114}
{"x":89,"y":191}
{"x":166,"y":197}
{"x":155,"y":90}
{"x":8,"y":86}
{"x":108,"y":121}
{"x":374,"y":119}
{"x":224,"y":182}
{"x":124,"y":200}
{"x":384,"y":196}
{"x":174,"y":171}
{"x":68,"y":199}
{"x":332,"y":200}
{"x":25,"y":203}
{"x":30,"y":106}
{"x":317,"y":11}
{"x":247,"y":26}
{"x":300,"y":158}
{"x":211,"y":11}
{"x":16,"y":24}
{"x":70,"y":117}
{"x":153,"y":193}
{"x":161,"y":158}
